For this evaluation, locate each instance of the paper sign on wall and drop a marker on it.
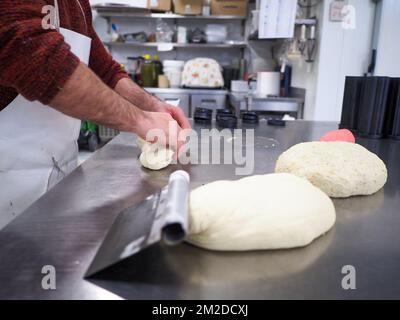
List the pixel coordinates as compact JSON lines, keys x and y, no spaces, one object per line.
{"x":277,"y":19}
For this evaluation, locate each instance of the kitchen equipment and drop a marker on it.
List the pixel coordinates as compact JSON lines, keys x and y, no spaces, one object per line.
{"x":216,"y":33}
{"x":239,"y":86}
{"x":255,"y":16}
{"x":164,"y":32}
{"x":351,"y":103}
{"x":184,"y":271}
{"x":242,"y":68}
{"x":173,"y":71}
{"x":163,"y":81}
{"x":161,"y":216}
{"x":311,"y":46}
{"x":250,"y":117}
{"x":137,"y":37}
{"x":372,"y":107}
{"x":286,"y":80}
{"x":202,"y":73}
{"x":225,"y":111}
{"x":203,"y":115}
{"x":393,"y":110}
{"x":182,"y":34}
{"x":171,"y":94}
{"x":208,"y":100}
{"x":230,"y":74}
{"x":276,"y":122}
{"x":197,"y":36}
{"x":227,"y":120}
{"x":268,"y":83}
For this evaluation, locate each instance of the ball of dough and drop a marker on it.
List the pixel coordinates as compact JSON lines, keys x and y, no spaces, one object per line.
{"x":340,"y":169}
{"x":153,"y":156}
{"x":260,"y":212}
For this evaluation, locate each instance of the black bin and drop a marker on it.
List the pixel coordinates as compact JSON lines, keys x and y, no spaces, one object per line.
{"x":392,"y":124}
{"x":372,"y":107}
{"x":351,"y":102}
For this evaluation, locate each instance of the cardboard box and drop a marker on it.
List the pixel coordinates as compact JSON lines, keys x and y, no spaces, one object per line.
{"x":229,"y":7}
{"x":159,"y":5}
{"x":188,"y":7}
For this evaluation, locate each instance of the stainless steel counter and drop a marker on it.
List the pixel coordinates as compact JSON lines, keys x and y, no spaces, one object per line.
{"x":268,"y":104}
{"x":66,"y":226}
{"x":210,"y":92}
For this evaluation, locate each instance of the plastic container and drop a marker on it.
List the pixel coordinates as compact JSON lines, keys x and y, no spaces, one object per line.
{"x":351,"y":103}
{"x":173,"y":71}
{"x":216,"y":33}
{"x":372,"y":107}
{"x":239,"y":86}
{"x":182,"y":34}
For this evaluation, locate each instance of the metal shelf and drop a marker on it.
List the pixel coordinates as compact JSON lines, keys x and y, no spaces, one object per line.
{"x":178,"y":45}
{"x":306,"y":21}
{"x":127,"y":12}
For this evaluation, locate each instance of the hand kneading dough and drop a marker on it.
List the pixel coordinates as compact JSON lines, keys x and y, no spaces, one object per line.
{"x":340,"y":169}
{"x":260,"y":212}
{"x":154,"y":157}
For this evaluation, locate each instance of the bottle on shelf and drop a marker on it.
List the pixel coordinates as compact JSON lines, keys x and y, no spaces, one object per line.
{"x":206,"y":11}
{"x":147,"y":72}
{"x":158,"y":69}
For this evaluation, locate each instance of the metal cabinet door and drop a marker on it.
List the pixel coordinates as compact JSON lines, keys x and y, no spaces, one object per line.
{"x":184,"y":100}
{"x":211,"y":101}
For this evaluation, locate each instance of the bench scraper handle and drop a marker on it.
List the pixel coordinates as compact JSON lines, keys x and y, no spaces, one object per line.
{"x":177,"y":208}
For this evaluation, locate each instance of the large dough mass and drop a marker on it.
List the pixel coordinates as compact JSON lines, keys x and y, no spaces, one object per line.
{"x":259,"y":212}
{"x":153,"y":156}
{"x":340,"y":169}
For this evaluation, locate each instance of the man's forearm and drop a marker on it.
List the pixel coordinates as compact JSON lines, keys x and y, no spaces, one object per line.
{"x":136,"y":95}
{"x":86,"y":97}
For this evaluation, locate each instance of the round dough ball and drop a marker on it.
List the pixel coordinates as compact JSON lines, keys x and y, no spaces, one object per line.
{"x":260,"y":212}
{"x":340,"y":169}
{"x":153,"y":156}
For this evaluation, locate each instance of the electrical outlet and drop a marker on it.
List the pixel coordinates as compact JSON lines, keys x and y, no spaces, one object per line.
{"x":336,"y":11}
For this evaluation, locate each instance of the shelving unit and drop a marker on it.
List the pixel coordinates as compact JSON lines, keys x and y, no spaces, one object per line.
{"x":112,"y":12}
{"x":126,"y":12}
{"x":109,"y":12}
{"x":177,"y":45}
{"x":188,"y":97}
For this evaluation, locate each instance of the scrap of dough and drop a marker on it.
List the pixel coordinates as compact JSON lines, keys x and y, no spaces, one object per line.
{"x":153,"y":156}
{"x":340,"y":169}
{"x":270,"y":211}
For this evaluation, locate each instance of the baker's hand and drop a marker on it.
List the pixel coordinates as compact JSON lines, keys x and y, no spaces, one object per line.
{"x":160,"y":121}
{"x":176,"y":113}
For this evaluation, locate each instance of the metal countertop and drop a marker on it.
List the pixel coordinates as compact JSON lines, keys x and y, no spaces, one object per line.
{"x":66,"y":226}
{"x":188,"y":91}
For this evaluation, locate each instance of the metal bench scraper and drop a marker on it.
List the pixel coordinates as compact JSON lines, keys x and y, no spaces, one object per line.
{"x":162,"y":216}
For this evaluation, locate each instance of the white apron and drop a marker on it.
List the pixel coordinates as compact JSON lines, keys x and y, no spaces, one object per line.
{"x":38,"y":144}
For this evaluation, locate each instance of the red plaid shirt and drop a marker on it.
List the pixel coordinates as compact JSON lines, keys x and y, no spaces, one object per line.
{"x":36,"y":62}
